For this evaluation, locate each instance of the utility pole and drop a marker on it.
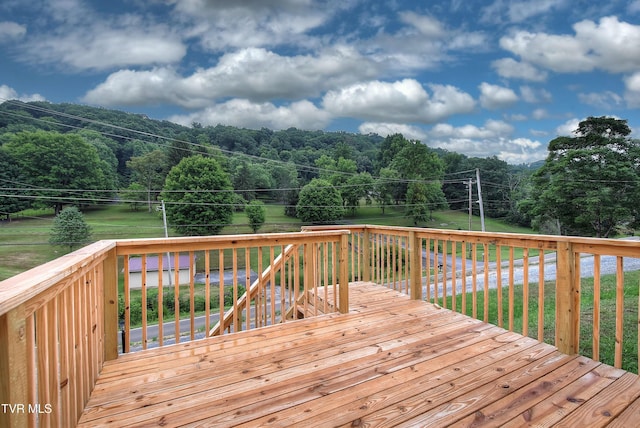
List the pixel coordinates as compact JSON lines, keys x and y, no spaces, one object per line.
{"x":480,"y":198}
{"x":166,"y":235}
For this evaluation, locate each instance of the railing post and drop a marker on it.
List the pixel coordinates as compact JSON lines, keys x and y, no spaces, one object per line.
{"x":366,"y":255}
{"x":343,"y":302}
{"x":567,"y":300}
{"x":13,"y":366}
{"x":415,"y":274}
{"x":110,"y":290}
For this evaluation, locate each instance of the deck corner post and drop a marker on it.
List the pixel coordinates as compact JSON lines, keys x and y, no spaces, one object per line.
{"x":110,"y":290}
{"x":415,"y":274}
{"x":343,"y":302}
{"x":366,"y":255}
{"x":567,"y":300}
{"x":13,"y":364}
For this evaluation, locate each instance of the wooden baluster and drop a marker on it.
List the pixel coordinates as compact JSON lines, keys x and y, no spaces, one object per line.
{"x":619,"y":311}
{"x":464,"y":277}
{"x":127,"y":306}
{"x":160,"y":298}
{"x":176,"y":295}
{"x":485,"y":256}
{"x":511,"y":288}
{"x":541,"y":295}
{"x":595,"y":348}
{"x":499,"y":284}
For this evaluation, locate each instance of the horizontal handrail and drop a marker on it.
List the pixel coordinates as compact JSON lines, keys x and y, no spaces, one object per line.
{"x":59,"y":321}
{"x":557,"y":281}
{"x":35,"y":282}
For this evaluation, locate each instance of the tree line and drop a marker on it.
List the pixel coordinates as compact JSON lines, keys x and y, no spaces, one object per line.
{"x":65,"y":154}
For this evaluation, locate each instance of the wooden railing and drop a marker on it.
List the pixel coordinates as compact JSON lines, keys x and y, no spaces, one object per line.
{"x":58,"y":324}
{"x":547,"y":287}
{"x":259,"y":278}
{"x":61,"y":321}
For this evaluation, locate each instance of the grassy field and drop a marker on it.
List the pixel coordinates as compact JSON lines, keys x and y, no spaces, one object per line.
{"x":607,"y":315}
{"x":24,"y":241}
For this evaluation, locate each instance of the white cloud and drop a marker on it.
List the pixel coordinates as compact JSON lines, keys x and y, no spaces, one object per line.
{"x":495,"y":97}
{"x":516,"y":117}
{"x":610,"y":45}
{"x":519,"y":11}
{"x":151,"y":87}
{"x":632,"y":93}
{"x":385,"y":129}
{"x":255,"y":74}
{"x":535,"y":96}
{"x":495,"y":137}
{"x":245,"y":114}
{"x":539,"y":114}
{"x":259,"y":74}
{"x":512,"y":69}
{"x":568,"y":129}
{"x":423,"y":43}
{"x":604,"y":100}
{"x":8,"y":93}
{"x":400,"y":101}
{"x":11,"y":30}
{"x":426,"y":25}
{"x":220,"y":25}
{"x":491,"y":129}
{"x":101,"y":46}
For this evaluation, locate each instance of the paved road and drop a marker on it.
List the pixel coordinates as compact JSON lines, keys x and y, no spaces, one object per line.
{"x":135,"y":335}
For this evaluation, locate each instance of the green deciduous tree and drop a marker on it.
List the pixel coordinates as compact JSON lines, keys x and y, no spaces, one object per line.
{"x":422,"y":199}
{"x":256,"y":213}
{"x":590,"y":182}
{"x":70,"y":229}
{"x":133,"y":195}
{"x":199,"y":196}
{"x":150,"y":170}
{"x":64,"y":167}
{"x":13,"y":195}
{"x":319,"y":202}
{"x":356,"y":188}
{"x":422,"y":172}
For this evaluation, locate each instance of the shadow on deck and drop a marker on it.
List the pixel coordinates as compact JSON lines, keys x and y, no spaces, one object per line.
{"x":391,"y":361}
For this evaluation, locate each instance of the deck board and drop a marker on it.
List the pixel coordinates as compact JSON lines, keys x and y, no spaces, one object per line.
{"x":390,"y":362}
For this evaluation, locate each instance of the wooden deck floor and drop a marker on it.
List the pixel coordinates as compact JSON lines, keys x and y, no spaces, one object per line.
{"x":390,"y":362}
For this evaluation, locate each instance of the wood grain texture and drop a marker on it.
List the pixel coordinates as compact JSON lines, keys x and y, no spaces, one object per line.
{"x":391,"y":361}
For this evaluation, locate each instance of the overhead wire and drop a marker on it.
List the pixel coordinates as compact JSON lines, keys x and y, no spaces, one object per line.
{"x":193,"y":149}
{"x":192,"y":144}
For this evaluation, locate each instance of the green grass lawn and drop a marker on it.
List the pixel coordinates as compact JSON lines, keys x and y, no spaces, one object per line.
{"x":24,"y":241}
{"x":607,"y":315}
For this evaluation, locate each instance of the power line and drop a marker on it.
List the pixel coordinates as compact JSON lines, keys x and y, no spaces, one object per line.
{"x":195,"y":145}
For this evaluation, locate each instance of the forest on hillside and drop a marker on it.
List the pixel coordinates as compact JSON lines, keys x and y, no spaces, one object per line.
{"x":68,"y":154}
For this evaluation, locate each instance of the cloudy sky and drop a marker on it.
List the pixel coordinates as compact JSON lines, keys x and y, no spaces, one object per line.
{"x":483,"y":78}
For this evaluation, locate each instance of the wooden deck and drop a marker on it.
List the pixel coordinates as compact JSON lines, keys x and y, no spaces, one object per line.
{"x":390,"y":362}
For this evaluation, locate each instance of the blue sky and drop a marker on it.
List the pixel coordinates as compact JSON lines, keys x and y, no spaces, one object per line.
{"x":482,"y":78}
